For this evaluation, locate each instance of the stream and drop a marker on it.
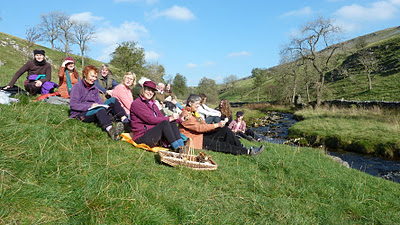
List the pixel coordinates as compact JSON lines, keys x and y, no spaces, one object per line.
{"x":277,"y":132}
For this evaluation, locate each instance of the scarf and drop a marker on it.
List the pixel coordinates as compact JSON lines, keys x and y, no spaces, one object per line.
{"x":69,"y":83}
{"x":42,"y":63}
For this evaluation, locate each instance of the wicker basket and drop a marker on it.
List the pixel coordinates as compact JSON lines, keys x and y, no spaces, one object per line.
{"x":188,"y":160}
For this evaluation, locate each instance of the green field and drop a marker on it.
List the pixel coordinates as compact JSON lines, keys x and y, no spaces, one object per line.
{"x":55,"y":170}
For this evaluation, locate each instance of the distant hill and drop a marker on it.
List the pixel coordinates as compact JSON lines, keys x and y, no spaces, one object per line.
{"x":14,"y":52}
{"x":386,"y":83}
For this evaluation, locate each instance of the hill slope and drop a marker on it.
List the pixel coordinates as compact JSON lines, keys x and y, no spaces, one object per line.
{"x":385,"y":44}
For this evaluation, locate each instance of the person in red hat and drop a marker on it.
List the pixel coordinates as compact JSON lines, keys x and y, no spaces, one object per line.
{"x":68,"y":77}
{"x":149,"y":125}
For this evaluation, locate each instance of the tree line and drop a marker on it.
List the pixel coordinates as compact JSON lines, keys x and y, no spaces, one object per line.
{"x":312,"y":56}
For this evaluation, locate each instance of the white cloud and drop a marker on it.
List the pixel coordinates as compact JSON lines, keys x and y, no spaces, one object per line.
{"x":347,"y":26}
{"x":175,"y":12}
{"x":128,"y":31}
{"x":209,"y":64}
{"x":380,"y":10}
{"x":85,"y":17}
{"x":110,"y":37}
{"x":191,"y":65}
{"x":300,"y":12}
{"x":151,"y":55}
{"x":243,"y":53}
{"x":395,"y":2}
{"x":147,"y":1}
{"x":353,"y":17}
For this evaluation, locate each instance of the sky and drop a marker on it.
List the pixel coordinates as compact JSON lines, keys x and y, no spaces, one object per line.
{"x":202,"y":38}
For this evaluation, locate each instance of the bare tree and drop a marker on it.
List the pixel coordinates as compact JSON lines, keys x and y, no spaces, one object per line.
{"x":83,"y":33}
{"x":229,"y":81}
{"x":370,"y":64}
{"x":32,"y":35}
{"x":260,"y":76}
{"x":316,"y":43}
{"x":291,"y":60}
{"x":65,"y":25}
{"x":49,"y":27}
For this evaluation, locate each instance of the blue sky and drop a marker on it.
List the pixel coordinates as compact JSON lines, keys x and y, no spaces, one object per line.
{"x":203,"y":38}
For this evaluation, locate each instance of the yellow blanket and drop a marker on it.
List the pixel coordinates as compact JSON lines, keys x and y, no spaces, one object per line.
{"x":128,"y":138}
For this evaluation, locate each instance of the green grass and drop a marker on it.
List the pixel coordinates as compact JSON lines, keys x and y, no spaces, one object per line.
{"x":368,"y":131}
{"x":56,"y":170}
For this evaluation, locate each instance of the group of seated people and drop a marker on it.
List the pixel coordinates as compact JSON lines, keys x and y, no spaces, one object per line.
{"x":150,"y":112}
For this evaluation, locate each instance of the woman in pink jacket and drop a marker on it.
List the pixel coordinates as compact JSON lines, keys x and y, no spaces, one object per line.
{"x":123,"y":93}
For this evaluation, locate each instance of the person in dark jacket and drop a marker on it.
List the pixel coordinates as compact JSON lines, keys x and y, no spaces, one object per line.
{"x":87,"y":105}
{"x":149,"y":125}
{"x":105,"y":81}
{"x":37,"y":66}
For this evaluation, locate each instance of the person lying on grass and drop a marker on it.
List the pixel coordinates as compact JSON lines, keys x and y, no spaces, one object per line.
{"x":149,"y":125}
{"x":216,"y":137}
{"x":86,"y":105}
{"x":238,"y":127}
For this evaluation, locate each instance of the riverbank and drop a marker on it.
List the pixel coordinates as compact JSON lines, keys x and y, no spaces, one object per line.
{"x":59,"y":170}
{"x":367,"y":131}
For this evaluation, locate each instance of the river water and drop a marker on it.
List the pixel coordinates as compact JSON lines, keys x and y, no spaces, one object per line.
{"x":387,"y":169}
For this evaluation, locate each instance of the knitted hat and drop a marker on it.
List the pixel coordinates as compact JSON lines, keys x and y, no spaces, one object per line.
{"x":239,"y":113}
{"x":149,"y":84}
{"x":69,"y":58}
{"x":38,"y":51}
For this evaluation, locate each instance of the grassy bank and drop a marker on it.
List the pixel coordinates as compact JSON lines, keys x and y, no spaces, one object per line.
{"x":60,"y":171}
{"x":368,"y":131}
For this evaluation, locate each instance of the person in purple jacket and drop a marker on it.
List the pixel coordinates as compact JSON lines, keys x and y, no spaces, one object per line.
{"x":87,"y":105}
{"x":149,"y":125}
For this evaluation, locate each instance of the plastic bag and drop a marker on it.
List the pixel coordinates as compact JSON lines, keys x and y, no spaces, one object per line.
{"x":4,"y":98}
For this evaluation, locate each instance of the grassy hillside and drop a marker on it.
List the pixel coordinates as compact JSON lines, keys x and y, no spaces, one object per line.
{"x":56,"y":170}
{"x":14,"y":53}
{"x":385,"y":83}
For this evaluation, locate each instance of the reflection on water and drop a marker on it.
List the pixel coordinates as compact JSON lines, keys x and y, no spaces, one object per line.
{"x":375,"y":166}
{"x":388,"y":169}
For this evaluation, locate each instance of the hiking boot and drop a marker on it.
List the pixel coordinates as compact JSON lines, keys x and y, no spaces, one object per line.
{"x":256,"y":151}
{"x":116,"y":131}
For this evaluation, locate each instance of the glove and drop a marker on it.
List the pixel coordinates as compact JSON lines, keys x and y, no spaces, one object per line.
{"x":66,"y":62}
